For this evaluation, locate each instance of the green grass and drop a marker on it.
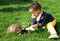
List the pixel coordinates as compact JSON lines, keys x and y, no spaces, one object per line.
{"x":17,"y":13}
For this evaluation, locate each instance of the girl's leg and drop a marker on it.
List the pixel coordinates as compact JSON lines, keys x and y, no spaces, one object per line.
{"x":51,"y":29}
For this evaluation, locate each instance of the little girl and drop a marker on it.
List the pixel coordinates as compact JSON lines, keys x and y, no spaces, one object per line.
{"x":42,"y":19}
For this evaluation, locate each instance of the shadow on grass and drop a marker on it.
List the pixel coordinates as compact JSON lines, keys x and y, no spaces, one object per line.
{"x":57,"y":27}
{"x":11,"y":9}
{"x":7,"y":2}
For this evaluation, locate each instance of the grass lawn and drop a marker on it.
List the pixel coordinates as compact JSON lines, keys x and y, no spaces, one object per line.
{"x":16,"y":12}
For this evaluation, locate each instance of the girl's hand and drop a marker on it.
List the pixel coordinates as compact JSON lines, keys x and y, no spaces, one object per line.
{"x":32,"y":27}
{"x":35,"y":25}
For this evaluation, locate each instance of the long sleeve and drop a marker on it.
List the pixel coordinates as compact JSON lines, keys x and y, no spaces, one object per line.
{"x":44,"y":19}
{"x":42,"y":22}
{"x":33,"y":21}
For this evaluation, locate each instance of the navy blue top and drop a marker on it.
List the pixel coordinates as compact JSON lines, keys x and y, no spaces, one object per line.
{"x":45,"y":18}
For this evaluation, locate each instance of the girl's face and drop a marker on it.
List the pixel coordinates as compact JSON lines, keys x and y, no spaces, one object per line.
{"x":34,"y":12}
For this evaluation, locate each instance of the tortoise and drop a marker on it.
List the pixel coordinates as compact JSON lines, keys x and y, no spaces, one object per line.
{"x":15,"y":28}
